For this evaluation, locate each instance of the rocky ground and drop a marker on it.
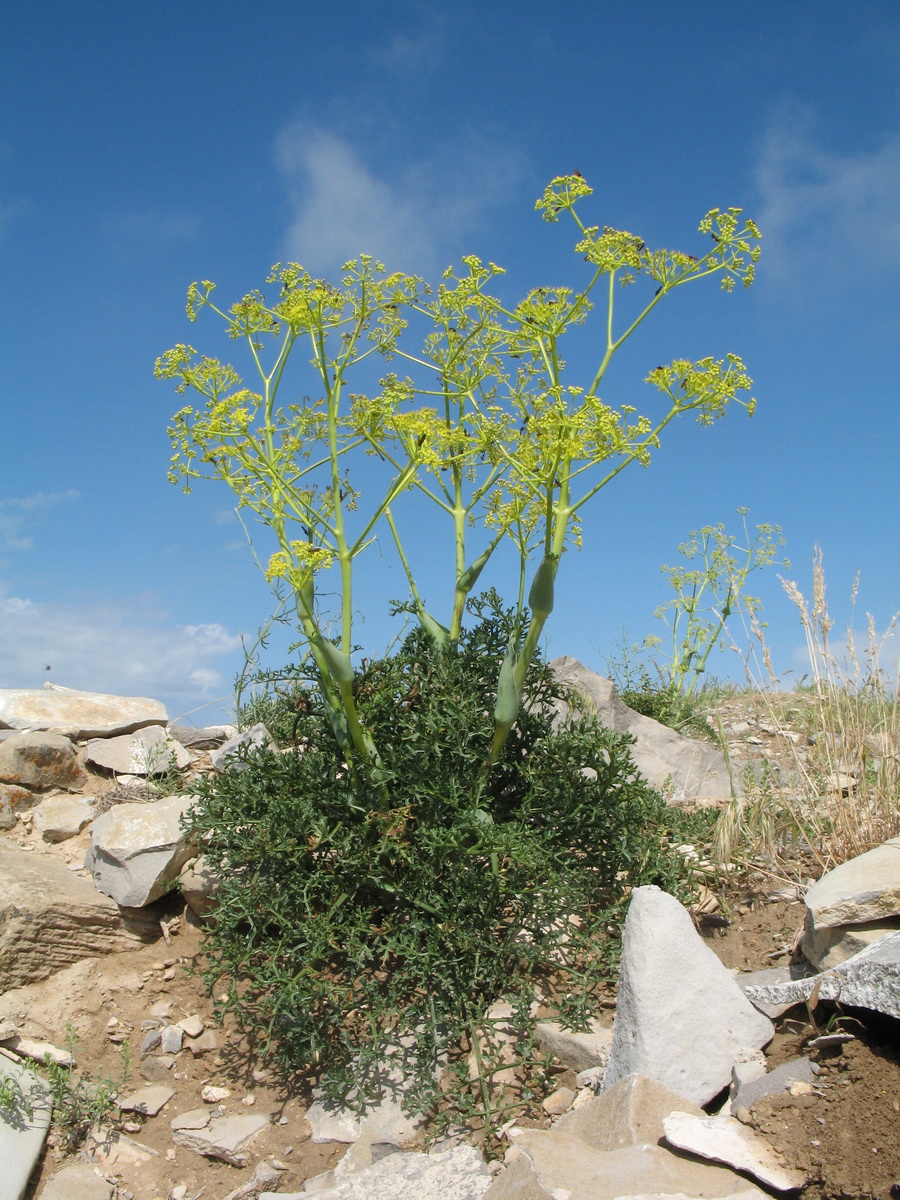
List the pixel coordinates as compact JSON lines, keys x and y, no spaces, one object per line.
{"x":843,"y":1132}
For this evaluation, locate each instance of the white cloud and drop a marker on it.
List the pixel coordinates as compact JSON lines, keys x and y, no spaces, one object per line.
{"x":410,"y":218}
{"x":412,"y":51}
{"x":19,"y":514}
{"x":826,"y":214}
{"x":107,"y":648}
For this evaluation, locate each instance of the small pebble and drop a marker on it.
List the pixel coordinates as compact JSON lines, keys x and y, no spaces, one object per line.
{"x":248,"y":1101}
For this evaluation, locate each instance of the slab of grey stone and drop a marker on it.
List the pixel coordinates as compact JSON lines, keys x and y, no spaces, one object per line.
{"x":210,"y":737}
{"x":224,"y":1137}
{"x":51,"y":918}
{"x":149,"y":751}
{"x":680,"y":1018}
{"x":749,"y":980}
{"x":59,"y":818}
{"x":688,"y":771}
{"x":197,"y":883}
{"x":226,"y":757}
{"x":772,"y":1083}
{"x":561,"y":1165}
{"x":22,"y":1136}
{"x":77,"y":714}
{"x":726,"y":1140}
{"x":459,"y":1173}
{"x":41,"y":761}
{"x":580,"y":1051}
{"x":866,"y":888}
{"x":871,"y":979}
{"x":828,"y":947}
{"x":138,"y":850}
{"x":147,"y":1100}
{"x":629,"y":1114}
{"x":77,"y":1182}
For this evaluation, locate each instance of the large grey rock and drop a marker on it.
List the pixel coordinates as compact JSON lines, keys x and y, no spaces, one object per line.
{"x":557,"y":1165}
{"x":871,"y":979}
{"x":226,"y":757}
{"x":681,"y":1018}
{"x":210,"y":737}
{"x":62,"y":817}
{"x":77,"y":714}
{"x":456,"y":1174}
{"x":22,"y":1135}
{"x":41,"y":761}
{"x":137,"y":850}
{"x":866,"y":888}
{"x":686,"y":770}
{"x":50,"y":918}
{"x":629,"y":1114}
{"x":726,"y":1140}
{"x":834,"y":944}
{"x":148,"y":751}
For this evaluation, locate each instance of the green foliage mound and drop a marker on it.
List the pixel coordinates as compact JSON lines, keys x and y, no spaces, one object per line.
{"x":347,"y":923}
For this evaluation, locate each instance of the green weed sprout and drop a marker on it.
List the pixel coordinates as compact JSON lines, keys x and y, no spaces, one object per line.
{"x":485,"y":422}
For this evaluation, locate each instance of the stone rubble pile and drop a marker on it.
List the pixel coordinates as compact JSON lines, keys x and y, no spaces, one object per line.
{"x":663,"y":1097}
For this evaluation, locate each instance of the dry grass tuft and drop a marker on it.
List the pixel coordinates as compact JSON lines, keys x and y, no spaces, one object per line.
{"x":841,"y":793}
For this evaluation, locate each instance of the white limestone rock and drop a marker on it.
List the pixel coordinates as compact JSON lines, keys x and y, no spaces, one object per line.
{"x":59,"y":818}
{"x":866,"y":888}
{"x":21,"y":1136}
{"x":629,"y":1114}
{"x":459,"y":1173}
{"x":138,"y":850}
{"x":77,"y":1182}
{"x":688,"y":771}
{"x":828,"y":947}
{"x":148,"y":751}
{"x":681,"y":1018}
{"x":76,"y":714}
{"x":223,"y":1137}
{"x":726,"y":1140}
{"x":871,"y":979}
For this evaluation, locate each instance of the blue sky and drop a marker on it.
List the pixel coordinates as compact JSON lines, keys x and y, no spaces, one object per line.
{"x":145,"y":146}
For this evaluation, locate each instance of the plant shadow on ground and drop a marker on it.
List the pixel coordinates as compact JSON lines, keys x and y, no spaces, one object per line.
{"x":350,"y":926}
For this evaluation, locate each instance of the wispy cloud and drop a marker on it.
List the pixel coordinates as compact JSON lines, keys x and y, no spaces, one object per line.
{"x":826,"y":214}
{"x":105,"y":648}
{"x":19,"y":514}
{"x":415,"y":49}
{"x":411,"y":218}
{"x":135,"y":236}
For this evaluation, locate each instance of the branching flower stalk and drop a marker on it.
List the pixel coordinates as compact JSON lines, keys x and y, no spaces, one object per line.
{"x":485,"y":425}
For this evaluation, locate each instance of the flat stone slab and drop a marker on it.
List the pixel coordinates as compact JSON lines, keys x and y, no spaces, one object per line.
{"x":147,"y":751}
{"x":871,"y":979}
{"x":772,"y":1083}
{"x":77,"y":714}
{"x":147,"y":1100}
{"x":681,"y":1018}
{"x":22,"y":1136}
{"x":629,"y":1114}
{"x":828,"y":947}
{"x":560,"y":1165}
{"x":77,"y":1182}
{"x":867,"y":888}
{"x":224,"y":1137}
{"x":456,"y":1174}
{"x":726,"y":1140}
